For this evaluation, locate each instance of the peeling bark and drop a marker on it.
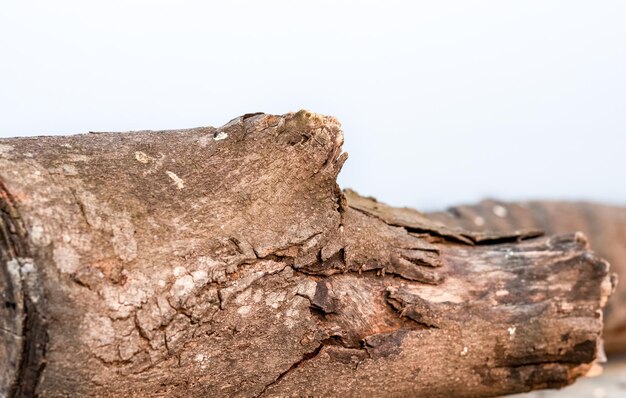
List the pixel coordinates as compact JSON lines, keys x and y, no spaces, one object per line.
{"x":227,"y":262}
{"x":604,"y":225}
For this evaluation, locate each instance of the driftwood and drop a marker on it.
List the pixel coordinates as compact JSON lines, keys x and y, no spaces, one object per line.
{"x":227,"y":262}
{"x":604,"y":225}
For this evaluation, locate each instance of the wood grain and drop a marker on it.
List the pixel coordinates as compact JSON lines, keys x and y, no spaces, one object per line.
{"x":227,"y":262}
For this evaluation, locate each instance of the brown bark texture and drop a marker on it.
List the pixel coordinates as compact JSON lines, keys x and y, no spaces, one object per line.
{"x":227,"y":262}
{"x":604,"y":225}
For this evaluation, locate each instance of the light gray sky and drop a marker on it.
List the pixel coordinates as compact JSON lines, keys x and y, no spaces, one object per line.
{"x":442,"y":102}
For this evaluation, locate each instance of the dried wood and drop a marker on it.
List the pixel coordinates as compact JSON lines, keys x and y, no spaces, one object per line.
{"x":604,"y":225}
{"x":227,"y":262}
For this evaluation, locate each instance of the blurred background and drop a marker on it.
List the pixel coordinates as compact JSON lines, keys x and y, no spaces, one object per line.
{"x":442,"y":102}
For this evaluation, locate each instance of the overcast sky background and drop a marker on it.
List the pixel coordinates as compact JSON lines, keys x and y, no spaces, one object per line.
{"x":442,"y":102}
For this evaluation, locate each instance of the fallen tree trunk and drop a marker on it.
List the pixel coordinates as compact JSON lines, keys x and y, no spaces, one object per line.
{"x":227,"y":262}
{"x":604,"y":225}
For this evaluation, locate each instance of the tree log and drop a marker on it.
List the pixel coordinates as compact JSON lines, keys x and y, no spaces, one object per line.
{"x":227,"y":262}
{"x":604,"y":225}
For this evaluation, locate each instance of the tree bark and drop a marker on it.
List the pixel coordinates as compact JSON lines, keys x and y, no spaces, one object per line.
{"x":227,"y":262}
{"x":605,"y":226}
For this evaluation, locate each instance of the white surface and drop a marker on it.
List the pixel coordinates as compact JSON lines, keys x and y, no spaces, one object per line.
{"x":441,"y":102}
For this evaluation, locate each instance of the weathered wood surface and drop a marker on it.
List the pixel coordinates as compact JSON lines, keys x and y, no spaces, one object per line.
{"x":227,"y":262}
{"x":604,"y":225}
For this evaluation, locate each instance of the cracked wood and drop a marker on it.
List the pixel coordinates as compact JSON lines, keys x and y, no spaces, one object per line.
{"x":227,"y":262}
{"x":605,"y":225}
